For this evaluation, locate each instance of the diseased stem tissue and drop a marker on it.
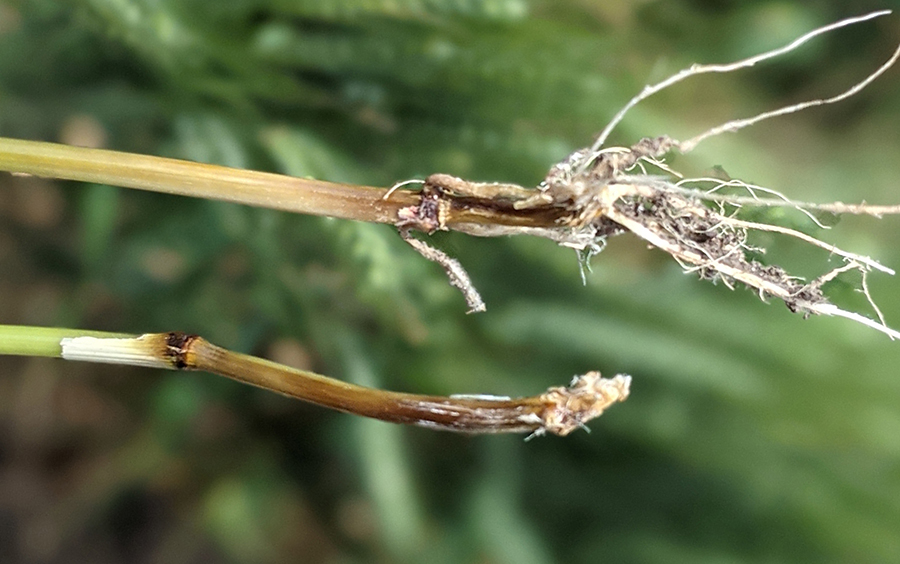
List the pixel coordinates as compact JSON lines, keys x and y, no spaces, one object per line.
{"x":559,"y":410}
{"x":596,"y":193}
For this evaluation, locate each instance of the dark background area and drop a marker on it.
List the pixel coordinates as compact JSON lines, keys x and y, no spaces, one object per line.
{"x":752,"y":435}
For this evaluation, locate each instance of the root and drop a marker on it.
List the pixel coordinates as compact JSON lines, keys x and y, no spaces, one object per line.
{"x":672,"y":217}
{"x":600,"y":192}
{"x":458,"y":276}
{"x":695,"y":70}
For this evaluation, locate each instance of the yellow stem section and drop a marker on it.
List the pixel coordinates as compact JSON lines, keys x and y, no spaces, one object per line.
{"x":185,"y":178}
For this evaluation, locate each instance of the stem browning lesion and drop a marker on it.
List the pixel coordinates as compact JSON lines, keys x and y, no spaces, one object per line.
{"x":596,"y":193}
{"x":558,"y":411}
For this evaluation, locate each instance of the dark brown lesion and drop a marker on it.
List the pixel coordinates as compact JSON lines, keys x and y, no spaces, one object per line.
{"x":446,"y":201}
{"x":178,"y":345}
{"x":429,"y":215}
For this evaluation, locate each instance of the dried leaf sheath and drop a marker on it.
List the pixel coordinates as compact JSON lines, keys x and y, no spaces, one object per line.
{"x":559,"y":410}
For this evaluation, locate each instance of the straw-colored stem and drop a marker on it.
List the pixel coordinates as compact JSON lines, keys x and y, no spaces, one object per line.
{"x":559,"y":410}
{"x":172,"y":176}
{"x":260,"y":189}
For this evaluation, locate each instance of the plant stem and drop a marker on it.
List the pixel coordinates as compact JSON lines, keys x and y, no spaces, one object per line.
{"x":559,"y":410}
{"x":42,"y":341}
{"x":185,"y":178}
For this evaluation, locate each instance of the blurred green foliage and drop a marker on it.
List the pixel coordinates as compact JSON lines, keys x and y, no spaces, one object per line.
{"x":752,"y":435}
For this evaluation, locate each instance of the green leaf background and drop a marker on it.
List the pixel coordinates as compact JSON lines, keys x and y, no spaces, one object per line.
{"x":752,"y":435}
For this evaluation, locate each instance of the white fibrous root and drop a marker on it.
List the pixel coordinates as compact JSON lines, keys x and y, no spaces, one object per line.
{"x":598,"y":192}
{"x":709,"y":240}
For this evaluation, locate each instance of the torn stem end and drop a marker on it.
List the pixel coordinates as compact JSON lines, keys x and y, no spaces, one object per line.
{"x":586,"y":398}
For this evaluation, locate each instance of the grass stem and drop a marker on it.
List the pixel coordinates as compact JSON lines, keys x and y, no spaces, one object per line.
{"x":185,"y":178}
{"x":559,"y":410}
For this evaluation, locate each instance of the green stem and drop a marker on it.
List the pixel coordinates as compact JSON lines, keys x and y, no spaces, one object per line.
{"x":41,"y":341}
